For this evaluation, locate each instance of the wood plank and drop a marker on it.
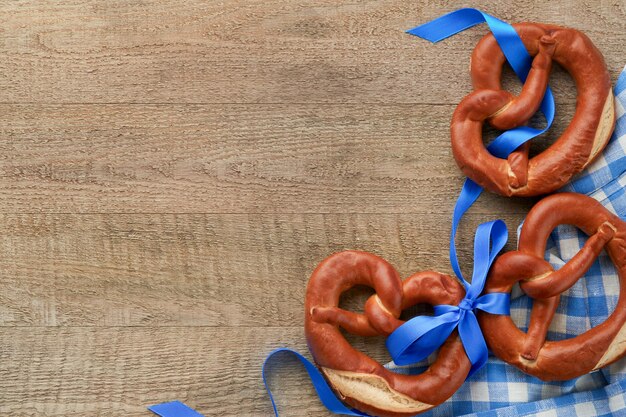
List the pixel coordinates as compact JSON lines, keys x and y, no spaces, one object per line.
{"x":75,"y":372}
{"x":164,"y":270}
{"x":233,"y":159}
{"x":259,"y":51}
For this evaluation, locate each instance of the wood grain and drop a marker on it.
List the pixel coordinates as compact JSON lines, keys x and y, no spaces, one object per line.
{"x":233,"y":159}
{"x":195,"y":51}
{"x":195,"y":270}
{"x":172,"y":171}
{"x":77,"y":372}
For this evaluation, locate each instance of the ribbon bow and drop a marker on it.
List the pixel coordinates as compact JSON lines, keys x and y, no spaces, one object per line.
{"x":416,"y":339}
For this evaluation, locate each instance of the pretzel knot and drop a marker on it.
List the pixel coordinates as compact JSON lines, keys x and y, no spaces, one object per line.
{"x":587,"y":134}
{"x":359,"y":380}
{"x":530,"y":351}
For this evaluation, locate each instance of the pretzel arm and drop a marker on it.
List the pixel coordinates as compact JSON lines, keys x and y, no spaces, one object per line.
{"x":540,"y":319}
{"x":562,"y":279}
{"x":522,"y":107}
{"x":353,"y":323}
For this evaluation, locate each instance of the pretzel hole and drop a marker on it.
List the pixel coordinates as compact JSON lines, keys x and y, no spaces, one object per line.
{"x":374,"y":347}
{"x":510,"y":82}
{"x":354,"y":298}
{"x":420,"y":309}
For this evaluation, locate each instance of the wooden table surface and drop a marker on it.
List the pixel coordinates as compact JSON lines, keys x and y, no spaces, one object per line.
{"x":172,"y":171}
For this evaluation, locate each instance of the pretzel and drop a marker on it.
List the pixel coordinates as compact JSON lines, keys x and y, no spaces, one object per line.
{"x":359,"y":380}
{"x":584,"y":138}
{"x":530,"y":351}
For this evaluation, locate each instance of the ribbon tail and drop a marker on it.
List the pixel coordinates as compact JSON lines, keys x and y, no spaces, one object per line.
{"x":473,"y":342}
{"x":452,"y":23}
{"x":325,"y":393}
{"x":469,"y":194}
{"x":489,"y":240}
{"x":174,"y":409}
{"x":448,"y":25}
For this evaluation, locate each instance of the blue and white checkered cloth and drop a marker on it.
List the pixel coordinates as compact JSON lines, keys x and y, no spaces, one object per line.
{"x":501,"y":390}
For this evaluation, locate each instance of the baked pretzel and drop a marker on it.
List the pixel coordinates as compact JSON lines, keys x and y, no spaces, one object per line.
{"x":584,"y":138}
{"x":530,"y":351}
{"x":359,"y":380}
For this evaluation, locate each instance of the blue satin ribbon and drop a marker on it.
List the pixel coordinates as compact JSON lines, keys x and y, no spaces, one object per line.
{"x":422,"y":335}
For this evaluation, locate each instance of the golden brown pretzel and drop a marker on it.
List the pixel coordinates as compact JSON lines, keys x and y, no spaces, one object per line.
{"x":530,"y":351}
{"x":584,"y":138}
{"x":360,"y":381}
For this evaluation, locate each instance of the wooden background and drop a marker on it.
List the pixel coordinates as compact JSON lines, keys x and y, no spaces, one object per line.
{"x":172,"y":171}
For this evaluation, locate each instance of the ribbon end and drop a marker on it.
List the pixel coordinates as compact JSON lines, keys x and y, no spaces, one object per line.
{"x":417,"y":32}
{"x":426,"y":35}
{"x":174,"y":409}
